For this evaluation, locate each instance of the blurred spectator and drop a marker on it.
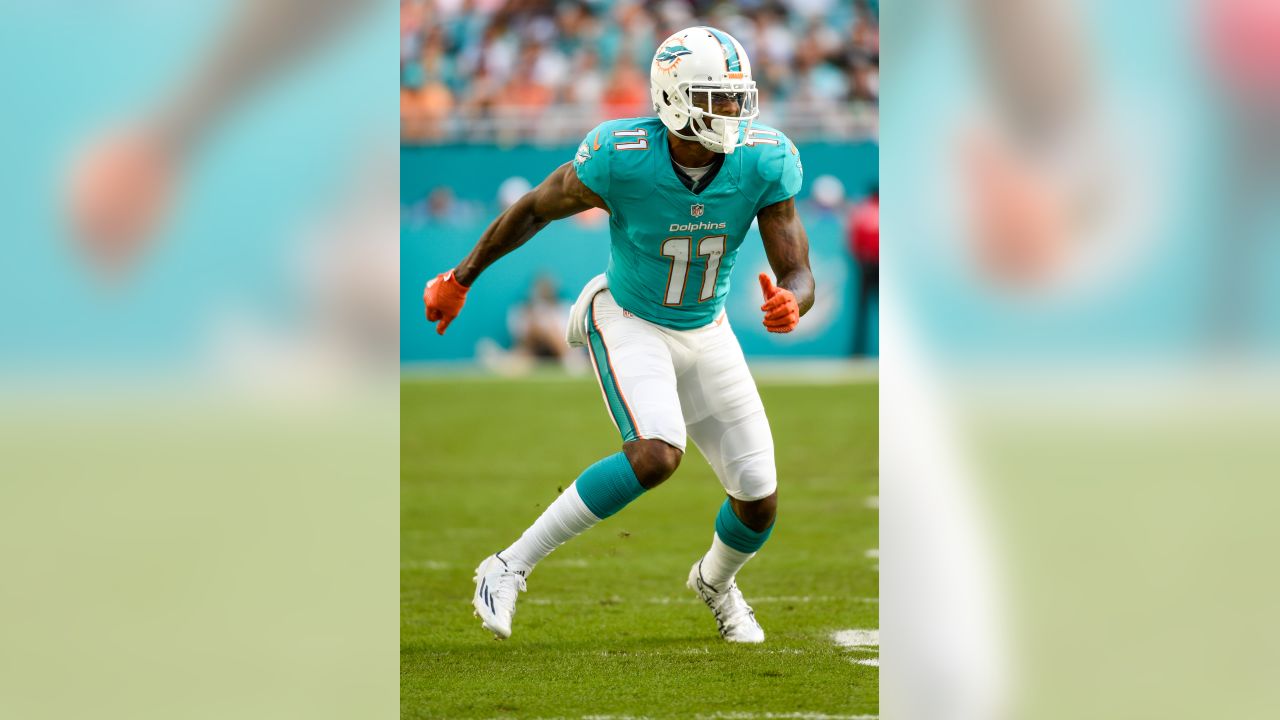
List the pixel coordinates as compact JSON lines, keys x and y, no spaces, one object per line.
{"x":511,"y":190}
{"x":426,"y":102}
{"x":576,"y":28}
{"x":537,"y":327}
{"x":441,"y":207}
{"x":588,"y":87}
{"x":774,"y":42}
{"x":826,"y":197}
{"x":537,"y":334}
{"x":424,"y":112}
{"x":627,"y":92}
{"x":865,"y":80}
{"x":864,"y":244}
{"x":440,"y":203}
{"x":866,"y":33}
{"x":1243,"y":42}
{"x":524,"y":94}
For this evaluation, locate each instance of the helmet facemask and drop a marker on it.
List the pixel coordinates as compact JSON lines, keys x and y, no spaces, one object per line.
{"x":721,"y":133}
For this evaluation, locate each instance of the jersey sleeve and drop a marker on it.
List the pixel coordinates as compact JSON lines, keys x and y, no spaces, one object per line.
{"x":592,"y":163}
{"x":783,"y":173}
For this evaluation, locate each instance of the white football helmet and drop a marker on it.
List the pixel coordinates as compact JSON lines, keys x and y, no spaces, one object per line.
{"x":690,"y":68}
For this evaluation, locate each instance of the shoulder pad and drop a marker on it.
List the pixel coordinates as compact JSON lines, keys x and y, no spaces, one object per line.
{"x":769,"y":149}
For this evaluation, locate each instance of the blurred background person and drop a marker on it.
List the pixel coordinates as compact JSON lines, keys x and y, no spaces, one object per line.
{"x":1240,"y":44}
{"x":537,"y":331}
{"x":537,"y":326}
{"x":864,"y":246}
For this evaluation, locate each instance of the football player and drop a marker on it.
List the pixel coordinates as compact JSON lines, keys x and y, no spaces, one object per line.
{"x":681,"y":190}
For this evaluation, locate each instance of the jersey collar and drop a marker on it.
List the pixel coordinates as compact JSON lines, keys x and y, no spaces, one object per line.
{"x":694,"y":187}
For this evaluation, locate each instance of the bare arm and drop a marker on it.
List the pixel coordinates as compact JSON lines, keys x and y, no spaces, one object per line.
{"x":787,"y":246}
{"x":562,"y":194}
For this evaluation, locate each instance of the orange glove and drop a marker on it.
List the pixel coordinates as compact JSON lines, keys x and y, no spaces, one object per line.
{"x":781,"y":311}
{"x":444,"y":297}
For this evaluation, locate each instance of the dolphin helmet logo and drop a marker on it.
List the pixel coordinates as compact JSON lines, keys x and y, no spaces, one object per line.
{"x":669,"y":56}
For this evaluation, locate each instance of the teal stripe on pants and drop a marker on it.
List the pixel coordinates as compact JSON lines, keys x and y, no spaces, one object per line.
{"x":613,"y":394}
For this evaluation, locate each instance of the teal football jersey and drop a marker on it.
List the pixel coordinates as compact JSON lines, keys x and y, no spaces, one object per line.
{"x":672,"y":250}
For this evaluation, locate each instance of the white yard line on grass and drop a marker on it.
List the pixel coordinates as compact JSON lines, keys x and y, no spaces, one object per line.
{"x":856,"y":638}
{"x":859,"y":641}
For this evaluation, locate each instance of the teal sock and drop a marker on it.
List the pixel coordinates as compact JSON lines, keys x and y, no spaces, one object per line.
{"x":608,"y":486}
{"x":734,"y":533}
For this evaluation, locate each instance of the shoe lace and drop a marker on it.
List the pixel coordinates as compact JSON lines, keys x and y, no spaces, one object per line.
{"x":509,"y":584}
{"x":732,"y":609}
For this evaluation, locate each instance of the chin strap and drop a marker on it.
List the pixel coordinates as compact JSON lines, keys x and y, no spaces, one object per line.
{"x":729,"y":138}
{"x":708,"y":136}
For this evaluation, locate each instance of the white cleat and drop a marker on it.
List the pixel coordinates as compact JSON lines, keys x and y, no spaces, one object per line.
{"x":495,"y":600}
{"x":736,"y":619}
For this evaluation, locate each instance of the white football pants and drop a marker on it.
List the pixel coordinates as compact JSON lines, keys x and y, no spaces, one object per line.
{"x":659,"y":383}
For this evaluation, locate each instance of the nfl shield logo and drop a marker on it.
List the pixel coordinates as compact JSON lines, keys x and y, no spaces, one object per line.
{"x":696,"y":210}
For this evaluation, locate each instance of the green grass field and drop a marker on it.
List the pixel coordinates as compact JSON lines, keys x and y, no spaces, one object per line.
{"x":607,"y":627}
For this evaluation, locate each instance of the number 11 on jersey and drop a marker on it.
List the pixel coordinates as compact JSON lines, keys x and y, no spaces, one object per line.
{"x":679,"y":251}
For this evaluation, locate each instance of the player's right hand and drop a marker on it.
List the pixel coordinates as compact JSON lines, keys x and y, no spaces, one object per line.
{"x":444,"y":297}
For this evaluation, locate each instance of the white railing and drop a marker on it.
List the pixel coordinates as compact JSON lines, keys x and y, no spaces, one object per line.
{"x":560,"y":124}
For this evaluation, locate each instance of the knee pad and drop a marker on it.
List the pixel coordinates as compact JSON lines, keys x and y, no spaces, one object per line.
{"x":752,"y":476}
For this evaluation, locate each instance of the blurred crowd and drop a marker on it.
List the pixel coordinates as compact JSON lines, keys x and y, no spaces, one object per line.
{"x":549,"y":70}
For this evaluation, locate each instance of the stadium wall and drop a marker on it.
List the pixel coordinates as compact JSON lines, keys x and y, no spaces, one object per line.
{"x":571,"y":252}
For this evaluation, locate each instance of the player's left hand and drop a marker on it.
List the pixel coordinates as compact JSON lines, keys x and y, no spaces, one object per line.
{"x":781,"y":311}
{"x":443,"y":298}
